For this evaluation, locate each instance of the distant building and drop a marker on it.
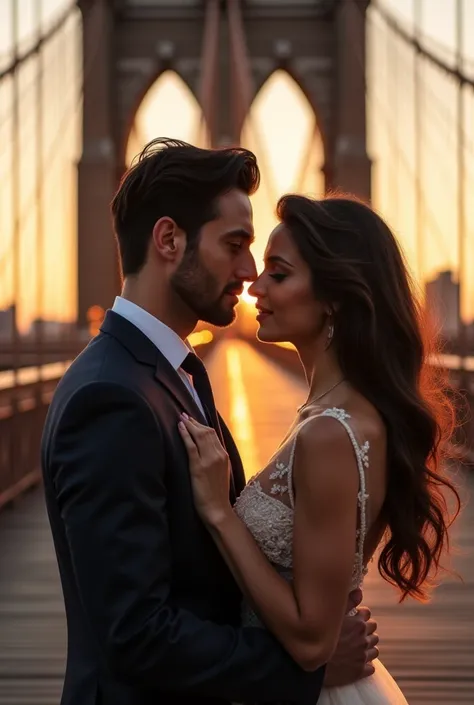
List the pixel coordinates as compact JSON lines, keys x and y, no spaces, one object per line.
{"x":442,"y":296}
{"x":7,"y":317}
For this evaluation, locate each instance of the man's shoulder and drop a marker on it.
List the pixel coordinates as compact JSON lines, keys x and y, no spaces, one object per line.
{"x":104,"y":365}
{"x":104,"y":359}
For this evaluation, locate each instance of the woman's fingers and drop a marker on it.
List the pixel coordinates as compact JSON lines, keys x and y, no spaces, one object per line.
{"x":194,"y":431}
{"x":203,"y":436}
{"x":194,"y":421}
{"x":189,"y":443}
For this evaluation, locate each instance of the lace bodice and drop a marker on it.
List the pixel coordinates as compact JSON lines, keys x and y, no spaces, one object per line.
{"x":266,"y":506}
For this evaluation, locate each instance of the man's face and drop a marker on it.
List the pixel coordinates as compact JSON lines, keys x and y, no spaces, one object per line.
{"x":212,"y":272}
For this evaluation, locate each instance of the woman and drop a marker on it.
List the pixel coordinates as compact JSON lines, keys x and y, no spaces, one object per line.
{"x":361,"y":464}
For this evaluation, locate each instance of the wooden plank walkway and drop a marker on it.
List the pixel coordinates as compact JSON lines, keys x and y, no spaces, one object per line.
{"x":429,"y":648}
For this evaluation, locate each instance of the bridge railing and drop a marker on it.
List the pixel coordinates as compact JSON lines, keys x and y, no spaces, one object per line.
{"x":24,"y":405}
{"x":25,"y":395}
{"x":23,"y":409}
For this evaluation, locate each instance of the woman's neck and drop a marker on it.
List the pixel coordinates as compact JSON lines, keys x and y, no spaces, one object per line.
{"x":322,"y":370}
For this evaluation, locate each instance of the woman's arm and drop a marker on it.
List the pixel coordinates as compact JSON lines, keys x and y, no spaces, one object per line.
{"x":305,"y":617}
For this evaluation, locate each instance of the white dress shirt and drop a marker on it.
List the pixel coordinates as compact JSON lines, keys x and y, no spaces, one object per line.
{"x":164,"y":338}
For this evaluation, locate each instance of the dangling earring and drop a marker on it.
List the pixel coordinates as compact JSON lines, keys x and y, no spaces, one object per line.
{"x":330,"y":332}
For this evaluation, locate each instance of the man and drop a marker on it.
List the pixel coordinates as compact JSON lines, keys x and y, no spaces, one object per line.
{"x":152,"y":610}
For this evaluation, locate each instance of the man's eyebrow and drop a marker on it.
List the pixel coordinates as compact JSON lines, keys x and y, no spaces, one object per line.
{"x":240,"y":232}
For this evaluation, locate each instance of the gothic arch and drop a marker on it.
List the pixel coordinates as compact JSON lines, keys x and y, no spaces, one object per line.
{"x":300,"y":78}
{"x":307,"y":142}
{"x":169,"y":84}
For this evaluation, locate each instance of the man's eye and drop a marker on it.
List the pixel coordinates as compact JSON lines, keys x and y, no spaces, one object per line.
{"x":235,"y":246}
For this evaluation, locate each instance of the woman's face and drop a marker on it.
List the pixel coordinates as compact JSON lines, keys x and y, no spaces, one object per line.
{"x":288,"y":309}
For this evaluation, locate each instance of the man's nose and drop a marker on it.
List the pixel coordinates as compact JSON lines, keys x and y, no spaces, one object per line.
{"x":248,"y":270}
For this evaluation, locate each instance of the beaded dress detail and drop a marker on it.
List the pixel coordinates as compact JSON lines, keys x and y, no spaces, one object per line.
{"x":266,"y":506}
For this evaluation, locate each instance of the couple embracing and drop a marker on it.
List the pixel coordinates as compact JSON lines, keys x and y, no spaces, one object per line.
{"x":182,"y":584}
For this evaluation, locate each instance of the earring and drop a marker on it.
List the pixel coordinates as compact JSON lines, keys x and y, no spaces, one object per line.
{"x":330,"y":332}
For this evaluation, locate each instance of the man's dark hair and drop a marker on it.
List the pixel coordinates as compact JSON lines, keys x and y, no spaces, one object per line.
{"x":172,"y":178}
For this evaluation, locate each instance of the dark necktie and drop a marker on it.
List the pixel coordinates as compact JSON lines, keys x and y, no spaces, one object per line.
{"x":194,"y":367}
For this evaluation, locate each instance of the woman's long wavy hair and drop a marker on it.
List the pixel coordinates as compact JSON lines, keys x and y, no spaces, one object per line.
{"x":383,"y":346}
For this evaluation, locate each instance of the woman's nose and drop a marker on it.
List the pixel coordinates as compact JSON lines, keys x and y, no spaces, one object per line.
{"x":257,"y":288}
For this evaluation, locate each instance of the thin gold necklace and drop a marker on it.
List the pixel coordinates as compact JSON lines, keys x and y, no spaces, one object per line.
{"x":313,"y":401}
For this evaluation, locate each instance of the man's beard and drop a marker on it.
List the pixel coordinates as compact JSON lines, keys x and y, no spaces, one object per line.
{"x":198,"y":288}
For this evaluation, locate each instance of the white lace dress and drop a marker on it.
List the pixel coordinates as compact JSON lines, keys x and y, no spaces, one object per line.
{"x":266,"y":506}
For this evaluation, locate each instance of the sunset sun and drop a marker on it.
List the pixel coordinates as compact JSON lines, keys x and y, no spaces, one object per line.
{"x":246,"y":298}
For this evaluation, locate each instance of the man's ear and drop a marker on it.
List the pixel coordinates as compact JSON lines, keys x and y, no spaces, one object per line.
{"x":167,"y":238}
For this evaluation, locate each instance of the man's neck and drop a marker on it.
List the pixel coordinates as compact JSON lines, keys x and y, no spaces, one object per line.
{"x":161,"y":307}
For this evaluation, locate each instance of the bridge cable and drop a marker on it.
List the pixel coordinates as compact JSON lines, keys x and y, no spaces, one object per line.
{"x":53,"y":152}
{"x":403,"y":159}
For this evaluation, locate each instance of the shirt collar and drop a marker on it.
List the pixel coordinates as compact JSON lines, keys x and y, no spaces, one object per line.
{"x":162,"y":336}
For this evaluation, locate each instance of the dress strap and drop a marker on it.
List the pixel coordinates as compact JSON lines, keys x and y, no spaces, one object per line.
{"x":362,"y":458}
{"x":291,"y":494}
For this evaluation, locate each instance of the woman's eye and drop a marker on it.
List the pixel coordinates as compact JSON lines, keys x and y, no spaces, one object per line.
{"x":278,"y":277}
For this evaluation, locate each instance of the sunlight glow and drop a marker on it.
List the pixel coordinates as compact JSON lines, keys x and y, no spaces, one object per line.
{"x":246,"y":298}
{"x":287,"y":346}
{"x":169,"y":109}
{"x":200,"y":337}
{"x":240,"y":418}
{"x":281,"y":129}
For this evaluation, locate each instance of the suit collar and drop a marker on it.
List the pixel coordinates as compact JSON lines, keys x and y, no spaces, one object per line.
{"x":128,"y":335}
{"x":146,"y":353}
{"x":162,"y":336}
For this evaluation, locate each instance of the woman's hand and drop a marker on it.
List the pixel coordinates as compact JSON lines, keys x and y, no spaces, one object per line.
{"x":209,"y":468}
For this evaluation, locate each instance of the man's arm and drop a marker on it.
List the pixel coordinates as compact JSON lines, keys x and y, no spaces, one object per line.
{"x":112,"y":499}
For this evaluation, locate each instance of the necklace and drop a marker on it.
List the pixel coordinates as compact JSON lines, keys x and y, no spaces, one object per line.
{"x":313,"y":401}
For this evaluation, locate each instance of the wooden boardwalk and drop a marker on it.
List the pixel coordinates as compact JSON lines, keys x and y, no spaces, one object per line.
{"x":428,"y":648}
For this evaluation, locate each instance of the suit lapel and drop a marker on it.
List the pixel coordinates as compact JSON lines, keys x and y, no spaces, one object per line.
{"x":238,"y":476}
{"x":147,"y":353}
{"x":168,"y":377}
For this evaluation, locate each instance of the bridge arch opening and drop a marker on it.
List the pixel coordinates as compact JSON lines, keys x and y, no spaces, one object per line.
{"x":168,"y":109}
{"x":282,"y":129}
